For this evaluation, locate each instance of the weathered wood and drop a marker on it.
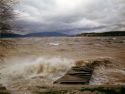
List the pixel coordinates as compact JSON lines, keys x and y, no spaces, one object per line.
{"x":77,"y":75}
{"x":89,"y":69}
{"x":74,"y":82}
{"x":80,"y":74}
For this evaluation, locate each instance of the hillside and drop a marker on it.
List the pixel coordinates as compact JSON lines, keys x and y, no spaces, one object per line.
{"x":9,"y":35}
{"x":111,"y":33}
{"x":39,"y":34}
{"x":42,"y":34}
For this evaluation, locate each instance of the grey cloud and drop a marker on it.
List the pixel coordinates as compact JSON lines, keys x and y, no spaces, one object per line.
{"x":47,"y":15}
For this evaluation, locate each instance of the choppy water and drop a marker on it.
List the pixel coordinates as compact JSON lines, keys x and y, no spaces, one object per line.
{"x":30,"y":62}
{"x":44,"y":68}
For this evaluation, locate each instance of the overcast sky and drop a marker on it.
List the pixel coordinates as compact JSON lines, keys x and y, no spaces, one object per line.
{"x":70,"y":16}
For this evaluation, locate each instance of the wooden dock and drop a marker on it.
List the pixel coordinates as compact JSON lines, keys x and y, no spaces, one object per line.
{"x":77,"y":75}
{"x":80,"y":74}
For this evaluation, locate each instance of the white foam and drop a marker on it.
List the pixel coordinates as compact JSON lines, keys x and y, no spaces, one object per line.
{"x":44,"y":67}
{"x":107,"y":75}
{"x":54,"y":44}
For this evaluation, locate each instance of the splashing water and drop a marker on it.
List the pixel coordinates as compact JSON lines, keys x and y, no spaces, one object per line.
{"x":112,"y":74}
{"x":43,"y":71}
{"x":44,"y":68}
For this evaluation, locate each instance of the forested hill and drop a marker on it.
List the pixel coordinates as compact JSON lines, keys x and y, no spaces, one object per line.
{"x":111,"y":33}
{"x":39,"y":34}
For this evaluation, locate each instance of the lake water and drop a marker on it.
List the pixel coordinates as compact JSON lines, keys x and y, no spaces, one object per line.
{"x":27,"y":62}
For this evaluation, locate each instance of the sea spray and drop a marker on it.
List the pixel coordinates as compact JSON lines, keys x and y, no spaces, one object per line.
{"x":108,"y":72}
{"x":45,"y":68}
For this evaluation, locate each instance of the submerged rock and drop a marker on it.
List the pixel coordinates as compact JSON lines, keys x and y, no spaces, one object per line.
{"x":3,"y":90}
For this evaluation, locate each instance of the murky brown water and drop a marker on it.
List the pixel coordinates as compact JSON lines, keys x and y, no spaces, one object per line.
{"x":27,"y":62}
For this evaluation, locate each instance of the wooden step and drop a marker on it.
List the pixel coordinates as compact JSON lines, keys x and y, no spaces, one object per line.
{"x":78,"y":72}
{"x":73,"y":82}
{"x":81,"y":74}
{"x":77,"y":75}
{"x":82,"y":69}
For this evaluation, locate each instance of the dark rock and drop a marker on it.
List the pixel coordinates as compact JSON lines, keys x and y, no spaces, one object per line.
{"x":3,"y":90}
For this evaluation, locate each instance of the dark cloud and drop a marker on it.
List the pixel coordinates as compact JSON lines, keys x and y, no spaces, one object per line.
{"x":70,"y":17}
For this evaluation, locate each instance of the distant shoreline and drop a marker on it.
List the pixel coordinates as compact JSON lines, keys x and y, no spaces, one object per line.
{"x":102,"y":34}
{"x":55,"y":34}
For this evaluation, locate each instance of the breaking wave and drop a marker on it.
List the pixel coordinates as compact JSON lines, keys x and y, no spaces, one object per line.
{"x":108,"y":72}
{"x":44,"y":68}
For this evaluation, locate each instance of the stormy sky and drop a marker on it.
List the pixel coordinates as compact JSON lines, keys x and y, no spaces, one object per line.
{"x":69,"y":16}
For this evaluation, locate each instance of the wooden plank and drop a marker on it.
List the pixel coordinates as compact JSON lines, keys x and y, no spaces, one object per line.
{"x":77,"y":75}
{"x":70,"y":73}
{"x":73,"y":82}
